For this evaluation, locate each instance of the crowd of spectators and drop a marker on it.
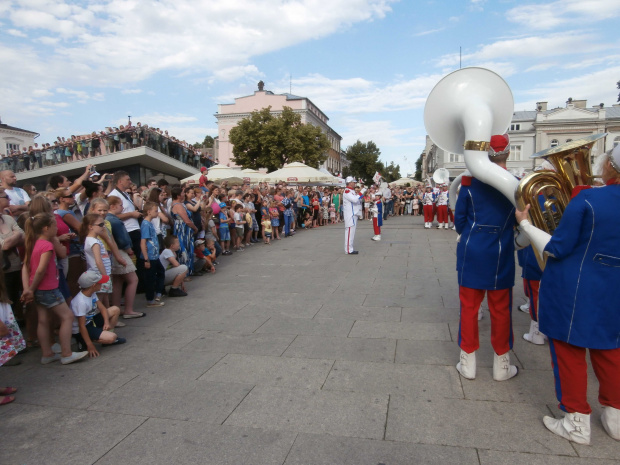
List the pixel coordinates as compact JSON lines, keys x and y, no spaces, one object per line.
{"x":85,"y":249}
{"x":113,"y":139}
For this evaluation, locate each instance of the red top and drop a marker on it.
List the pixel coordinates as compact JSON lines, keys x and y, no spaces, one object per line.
{"x":50,"y":279}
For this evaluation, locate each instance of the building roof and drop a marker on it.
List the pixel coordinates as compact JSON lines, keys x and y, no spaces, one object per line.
{"x":527,"y":115}
{"x":13,"y":128}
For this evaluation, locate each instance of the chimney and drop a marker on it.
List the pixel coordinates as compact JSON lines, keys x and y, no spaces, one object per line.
{"x":580,"y":103}
{"x":541,"y":106}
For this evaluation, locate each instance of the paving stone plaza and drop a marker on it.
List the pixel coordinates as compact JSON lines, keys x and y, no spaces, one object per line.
{"x":296,"y":354}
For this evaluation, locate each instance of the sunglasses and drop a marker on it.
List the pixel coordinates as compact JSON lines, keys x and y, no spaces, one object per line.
{"x":67,"y":196}
{"x":101,"y":225}
{"x":54,"y":201}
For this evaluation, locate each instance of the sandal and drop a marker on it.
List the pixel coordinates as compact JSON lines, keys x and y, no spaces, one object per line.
{"x":7,"y":391}
{"x":7,"y":400}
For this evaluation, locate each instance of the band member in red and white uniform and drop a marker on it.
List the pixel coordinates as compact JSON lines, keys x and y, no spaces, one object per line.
{"x":377,"y":216}
{"x":485,"y":263}
{"x":351,"y":210}
{"x":578,"y":303}
{"x":442,"y":207}
{"x":428,"y":201}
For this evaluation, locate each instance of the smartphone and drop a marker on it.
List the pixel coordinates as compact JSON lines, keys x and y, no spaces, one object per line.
{"x":93,"y":168}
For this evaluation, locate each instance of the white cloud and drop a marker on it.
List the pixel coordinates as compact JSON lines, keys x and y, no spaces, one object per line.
{"x":158,"y":119}
{"x":81,"y":95}
{"x":380,"y":132}
{"x":358,"y":95}
{"x":131,"y":91}
{"x":559,"y":14}
{"x":430,"y":31}
{"x":17,"y":33}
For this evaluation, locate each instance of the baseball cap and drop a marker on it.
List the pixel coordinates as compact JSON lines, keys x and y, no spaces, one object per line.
{"x":223,"y":204}
{"x":203,"y":169}
{"x":198,"y":242}
{"x":91,"y":277}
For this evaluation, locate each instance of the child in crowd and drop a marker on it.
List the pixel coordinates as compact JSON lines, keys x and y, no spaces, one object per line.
{"x":211,"y":252}
{"x":264,"y":210}
{"x":249,"y":225}
{"x":97,"y":256}
{"x":239,"y":222}
{"x":154,"y":273}
{"x":175,"y":272}
{"x":308,"y":221}
{"x":40,"y":280}
{"x":203,"y":260}
{"x":377,"y":216}
{"x":224,"y":230}
{"x":332,"y":213}
{"x":267,"y":230}
{"x":122,"y":274}
{"x":367,"y":205}
{"x":93,"y":321}
{"x":324,"y":213}
{"x":274,"y":214}
{"x":211,"y":233}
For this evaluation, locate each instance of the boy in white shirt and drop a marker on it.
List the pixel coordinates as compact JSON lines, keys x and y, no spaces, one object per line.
{"x":175,"y":272}
{"x":93,"y":322}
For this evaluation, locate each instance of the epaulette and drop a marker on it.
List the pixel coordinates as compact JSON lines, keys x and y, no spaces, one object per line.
{"x":346,"y":191}
{"x":466,"y":180}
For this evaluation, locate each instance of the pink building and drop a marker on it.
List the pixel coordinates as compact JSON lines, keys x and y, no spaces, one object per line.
{"x":229,"y":115}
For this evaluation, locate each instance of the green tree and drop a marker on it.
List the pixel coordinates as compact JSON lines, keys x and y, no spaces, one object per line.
{"x":418,"y":169}
{"x":391,"y":172}
{"x":207,"y":143}
{"x":263,"y":140}
{"x":364,"y":159}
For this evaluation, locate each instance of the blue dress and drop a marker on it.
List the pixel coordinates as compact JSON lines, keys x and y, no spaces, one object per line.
{"x":186,"y":239}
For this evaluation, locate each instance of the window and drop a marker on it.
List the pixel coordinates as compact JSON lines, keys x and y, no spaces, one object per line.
{"x":11,"y":147}
{"x":454,"y":158}
{"x":515,"y":153}
{"x":515,"y":127}
{"x":616,"y":141}
{"x":554,"y":143}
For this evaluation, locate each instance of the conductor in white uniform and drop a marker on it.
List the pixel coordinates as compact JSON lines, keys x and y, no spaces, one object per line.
{"x":351,"y":207}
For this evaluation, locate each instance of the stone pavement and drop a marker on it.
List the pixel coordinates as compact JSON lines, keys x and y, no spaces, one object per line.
{"x":295,"y":353}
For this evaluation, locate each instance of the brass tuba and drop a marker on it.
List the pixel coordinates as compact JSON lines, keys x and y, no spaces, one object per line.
{"x":548,"y":192}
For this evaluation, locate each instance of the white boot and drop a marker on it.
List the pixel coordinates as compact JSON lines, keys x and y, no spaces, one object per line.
{"x":502,"y":369}
{"x":467,"y":366}
{"x":439,"y":225}
{"x":534,"y":336}
{"x":526,"y":306}
{"x":611,"y":422}
{"x":377,"y":237}
{"x":427,"y":225}
{"x":574,"y":427}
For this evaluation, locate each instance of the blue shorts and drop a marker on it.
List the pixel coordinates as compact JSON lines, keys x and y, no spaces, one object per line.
{"x":275,"y":222}
{"x":224,"y":234}
{"x":49,"y":299}
{"x":94,"y":328}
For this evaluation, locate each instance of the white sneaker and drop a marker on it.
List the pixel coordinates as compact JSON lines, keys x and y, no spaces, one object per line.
{"x":534,"y":336}
{"x":502,"y":369}
{"x":467,"y":366}
{"x":74,"y":357}
{"x":526,"y":306}
{"x":574,"y":427}
{"x":611,"y":422}
{"x":53,"y":358}
{"x":376,"y":237}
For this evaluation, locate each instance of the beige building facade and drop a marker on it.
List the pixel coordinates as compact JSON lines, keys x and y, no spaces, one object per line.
{"x":536,"y":130}
{"x":15,"y":139}
{"x":230,"y":114}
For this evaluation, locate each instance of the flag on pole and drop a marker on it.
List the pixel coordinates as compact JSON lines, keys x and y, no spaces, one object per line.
{"x":377,"y":177}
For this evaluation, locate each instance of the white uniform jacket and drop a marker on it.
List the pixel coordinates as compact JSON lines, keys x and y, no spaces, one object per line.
{"x":351,"y":207}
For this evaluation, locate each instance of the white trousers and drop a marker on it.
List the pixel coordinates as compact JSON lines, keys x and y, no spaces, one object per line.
{"x":349,"y":236}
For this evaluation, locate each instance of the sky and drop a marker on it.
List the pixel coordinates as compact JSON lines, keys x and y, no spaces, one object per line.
{"x":72,"y":67}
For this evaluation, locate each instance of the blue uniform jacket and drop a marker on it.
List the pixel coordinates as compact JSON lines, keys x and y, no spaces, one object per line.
{"x":529,"y":265}
{"x":579,"y":297}
{"x":485,"y":253}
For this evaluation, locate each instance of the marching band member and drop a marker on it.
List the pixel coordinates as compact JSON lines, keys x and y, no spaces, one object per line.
{"x":578,"y":303}
{"x":485,"y":264}
{"x":377,"y":216}
{"x":531,"y":273}
{"x":351,"y":207}
{"x":428,"y":200}
{"x":442,"y":207}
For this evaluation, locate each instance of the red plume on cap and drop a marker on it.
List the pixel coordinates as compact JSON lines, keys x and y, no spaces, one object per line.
{"x":500,"y":145}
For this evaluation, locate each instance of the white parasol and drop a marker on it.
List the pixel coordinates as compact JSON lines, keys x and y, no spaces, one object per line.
{"x":252,"y":176}
{"x":298,"y":173}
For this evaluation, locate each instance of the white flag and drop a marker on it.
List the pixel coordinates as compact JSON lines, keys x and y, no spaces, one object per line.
{"x":377,"y":177}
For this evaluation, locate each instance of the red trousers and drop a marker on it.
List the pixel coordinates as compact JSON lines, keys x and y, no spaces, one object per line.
{"x":376,"y":227}
{"x":500,"y":307}
{"x":450,"y":215}
{"x":531,"y":290}
{"x":428,"y":214}
{"x":571,"y":376}
{"x":442,"y":213}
